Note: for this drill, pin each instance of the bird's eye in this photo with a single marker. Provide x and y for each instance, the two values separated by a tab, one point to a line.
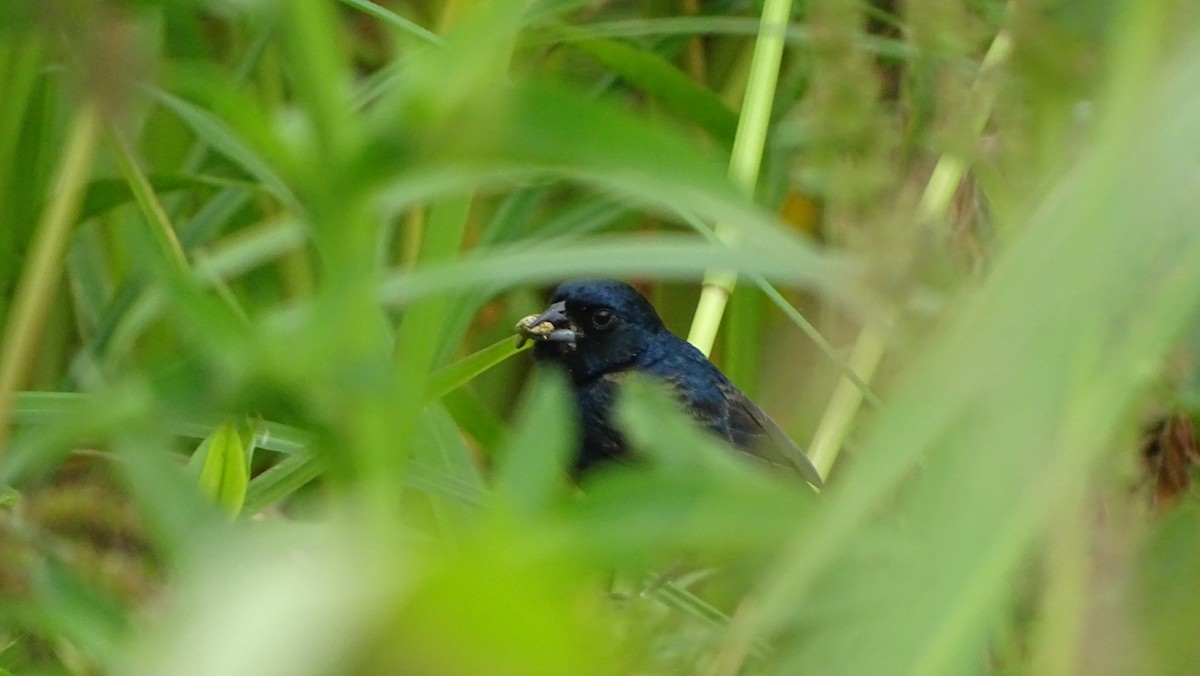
602	318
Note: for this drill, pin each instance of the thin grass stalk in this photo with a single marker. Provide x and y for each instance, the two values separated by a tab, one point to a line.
789	310
847	399
744	161
395	20
948	172
156	216
161	228
35	295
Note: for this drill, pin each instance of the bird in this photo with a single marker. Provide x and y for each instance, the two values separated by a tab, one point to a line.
600	330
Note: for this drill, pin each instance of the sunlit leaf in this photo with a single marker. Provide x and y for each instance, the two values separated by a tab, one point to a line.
225	468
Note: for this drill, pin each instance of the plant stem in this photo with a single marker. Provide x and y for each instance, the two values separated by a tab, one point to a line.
745	160
35	295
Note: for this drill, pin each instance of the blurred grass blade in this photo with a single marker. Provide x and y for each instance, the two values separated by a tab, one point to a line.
692	494
441	447
108	193
221	138
666	256
54	408
319	74
215	216
20	69
454	458
161	229
420	336
585	217
476	418
513	216
89	279
395	20
673	596
798	319
744	327
1019	398
554	129
253	246
281	480
659	427
659	78
531	471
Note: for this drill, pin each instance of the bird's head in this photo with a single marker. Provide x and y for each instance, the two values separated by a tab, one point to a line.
593	327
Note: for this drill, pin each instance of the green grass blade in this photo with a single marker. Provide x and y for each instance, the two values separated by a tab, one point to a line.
660	256
395	20
453	376
220	137
281	480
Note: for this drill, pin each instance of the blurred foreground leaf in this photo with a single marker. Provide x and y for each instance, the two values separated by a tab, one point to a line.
1012	409
531	470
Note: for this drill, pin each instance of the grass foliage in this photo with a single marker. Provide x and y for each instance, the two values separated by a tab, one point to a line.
261	411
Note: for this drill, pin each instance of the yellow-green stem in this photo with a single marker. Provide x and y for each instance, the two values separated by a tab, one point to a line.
35	294
745	160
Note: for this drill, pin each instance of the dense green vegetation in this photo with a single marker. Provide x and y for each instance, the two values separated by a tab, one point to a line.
261	411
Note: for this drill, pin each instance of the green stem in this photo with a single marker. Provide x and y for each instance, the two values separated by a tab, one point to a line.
847	399
745	160
949	170
35	295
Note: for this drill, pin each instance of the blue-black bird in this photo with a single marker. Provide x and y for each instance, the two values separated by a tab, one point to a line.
600	329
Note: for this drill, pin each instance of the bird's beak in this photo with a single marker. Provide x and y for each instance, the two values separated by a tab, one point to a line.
552	326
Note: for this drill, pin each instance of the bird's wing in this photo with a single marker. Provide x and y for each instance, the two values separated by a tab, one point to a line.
770	441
